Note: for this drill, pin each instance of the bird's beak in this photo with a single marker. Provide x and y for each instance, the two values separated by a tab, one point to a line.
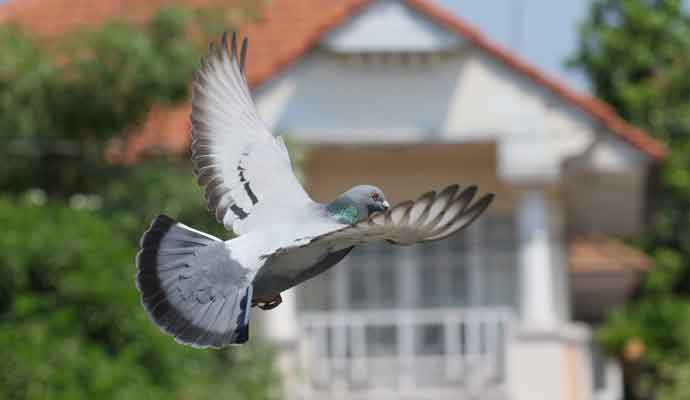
385	205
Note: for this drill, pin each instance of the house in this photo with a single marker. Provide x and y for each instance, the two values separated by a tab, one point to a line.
400	94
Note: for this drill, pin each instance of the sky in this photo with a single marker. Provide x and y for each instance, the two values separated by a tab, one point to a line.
543	32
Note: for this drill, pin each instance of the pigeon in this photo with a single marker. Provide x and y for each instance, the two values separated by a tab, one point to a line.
198	288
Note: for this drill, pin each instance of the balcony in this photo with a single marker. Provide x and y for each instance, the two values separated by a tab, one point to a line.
434	353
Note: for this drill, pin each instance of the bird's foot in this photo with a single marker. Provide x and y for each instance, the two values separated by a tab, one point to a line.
269	304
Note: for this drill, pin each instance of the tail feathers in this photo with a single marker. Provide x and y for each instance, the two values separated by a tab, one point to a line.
191	286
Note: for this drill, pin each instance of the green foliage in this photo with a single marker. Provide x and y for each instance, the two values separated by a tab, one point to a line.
71	325
637	55
155	187
27	82
631	51
61	107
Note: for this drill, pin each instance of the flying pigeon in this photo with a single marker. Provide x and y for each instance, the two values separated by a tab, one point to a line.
198	288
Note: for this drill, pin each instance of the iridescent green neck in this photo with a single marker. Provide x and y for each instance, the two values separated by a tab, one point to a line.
345	214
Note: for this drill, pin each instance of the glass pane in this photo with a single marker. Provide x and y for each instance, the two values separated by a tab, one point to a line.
381	340
358	286
500	229
429	288
387	287
373	277
430	340
316	293
499	256
442	273
459	286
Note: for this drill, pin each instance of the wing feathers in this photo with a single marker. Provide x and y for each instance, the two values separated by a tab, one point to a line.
466	196
399	214
245	171
451	212
465	218
431	217
419	212
439	204
243	52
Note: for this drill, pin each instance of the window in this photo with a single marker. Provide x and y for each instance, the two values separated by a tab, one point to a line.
443	273
373	277
369	343
430	340
381	340
316	293
477	267
499	259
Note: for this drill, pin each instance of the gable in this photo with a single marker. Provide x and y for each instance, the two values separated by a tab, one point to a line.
410	91
390	26
461	96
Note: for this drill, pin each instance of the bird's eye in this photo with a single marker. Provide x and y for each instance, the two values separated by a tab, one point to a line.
375	196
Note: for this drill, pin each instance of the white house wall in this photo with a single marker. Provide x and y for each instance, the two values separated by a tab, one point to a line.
491	99
326	98
405	31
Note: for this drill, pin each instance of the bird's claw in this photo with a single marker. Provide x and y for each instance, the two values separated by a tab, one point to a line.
268	305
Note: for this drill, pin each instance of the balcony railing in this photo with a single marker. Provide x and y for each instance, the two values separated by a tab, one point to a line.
403	350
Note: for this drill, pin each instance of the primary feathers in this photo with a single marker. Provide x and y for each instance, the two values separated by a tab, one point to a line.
198	288
241	165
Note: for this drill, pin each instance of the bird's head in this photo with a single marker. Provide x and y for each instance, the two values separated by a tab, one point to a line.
357	204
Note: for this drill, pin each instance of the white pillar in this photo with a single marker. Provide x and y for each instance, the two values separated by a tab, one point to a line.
537	275
547	356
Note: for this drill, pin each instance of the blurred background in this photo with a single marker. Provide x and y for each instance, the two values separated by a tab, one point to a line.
574	285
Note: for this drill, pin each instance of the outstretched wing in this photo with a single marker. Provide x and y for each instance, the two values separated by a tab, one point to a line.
244	169
431	217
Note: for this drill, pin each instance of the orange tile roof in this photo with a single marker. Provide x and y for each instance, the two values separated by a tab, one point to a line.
599	253
286	30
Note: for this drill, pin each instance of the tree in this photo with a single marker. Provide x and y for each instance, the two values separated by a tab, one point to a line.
71	325
636	54
63	103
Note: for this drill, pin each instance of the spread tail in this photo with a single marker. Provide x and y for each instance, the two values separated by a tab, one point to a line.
191	286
